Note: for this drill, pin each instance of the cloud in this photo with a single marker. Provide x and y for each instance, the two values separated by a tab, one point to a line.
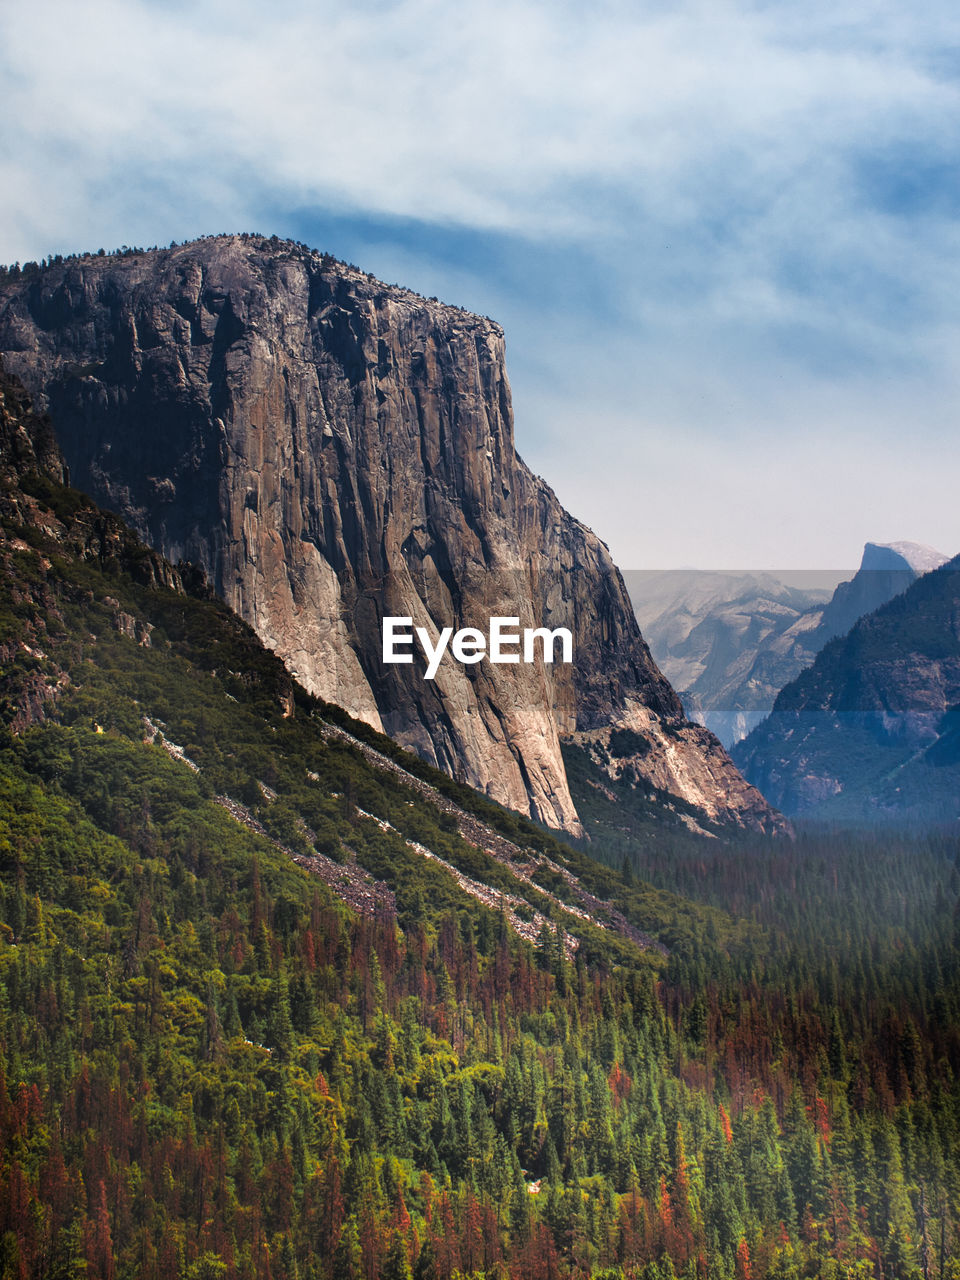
723	221
509	116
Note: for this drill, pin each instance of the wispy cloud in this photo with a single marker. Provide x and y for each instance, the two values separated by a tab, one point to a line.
515	116
756	204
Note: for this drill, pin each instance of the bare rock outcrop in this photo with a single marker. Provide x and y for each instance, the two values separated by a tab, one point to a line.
333	450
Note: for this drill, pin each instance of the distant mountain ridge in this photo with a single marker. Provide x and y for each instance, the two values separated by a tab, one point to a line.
871	731
333	450
729	642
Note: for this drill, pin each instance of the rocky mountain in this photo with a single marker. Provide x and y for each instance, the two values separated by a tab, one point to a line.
729	642
333	451
31	461
870	730
886	569
280	999
104	643
28	443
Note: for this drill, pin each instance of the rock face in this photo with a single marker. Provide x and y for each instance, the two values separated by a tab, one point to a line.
34	505
886	569
333	450
872	729
29	456
28	443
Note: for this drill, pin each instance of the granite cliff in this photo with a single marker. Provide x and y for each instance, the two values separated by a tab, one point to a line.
886	570
30	459
333	450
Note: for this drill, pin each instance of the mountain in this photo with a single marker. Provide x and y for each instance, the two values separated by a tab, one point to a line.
870	730
730	642
182	830
101	635
886	569
280	1001
333	451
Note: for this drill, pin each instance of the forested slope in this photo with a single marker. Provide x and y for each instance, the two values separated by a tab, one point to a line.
212	1065
868	733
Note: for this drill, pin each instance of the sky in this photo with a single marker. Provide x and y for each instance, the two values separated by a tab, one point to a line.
722	237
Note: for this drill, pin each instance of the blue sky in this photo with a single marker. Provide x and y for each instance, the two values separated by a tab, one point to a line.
722	237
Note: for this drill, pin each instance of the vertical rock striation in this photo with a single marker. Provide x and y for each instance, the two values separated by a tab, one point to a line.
333	450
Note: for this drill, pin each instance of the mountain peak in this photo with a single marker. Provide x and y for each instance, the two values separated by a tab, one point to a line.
915	556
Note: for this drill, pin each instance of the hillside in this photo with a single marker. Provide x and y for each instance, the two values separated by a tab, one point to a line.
868	732
249	1027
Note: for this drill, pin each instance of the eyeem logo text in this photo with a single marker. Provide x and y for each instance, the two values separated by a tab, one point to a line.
505	644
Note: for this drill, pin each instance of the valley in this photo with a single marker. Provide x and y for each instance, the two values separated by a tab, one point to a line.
279	997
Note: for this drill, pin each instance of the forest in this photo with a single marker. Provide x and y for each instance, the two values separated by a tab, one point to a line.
212	1065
